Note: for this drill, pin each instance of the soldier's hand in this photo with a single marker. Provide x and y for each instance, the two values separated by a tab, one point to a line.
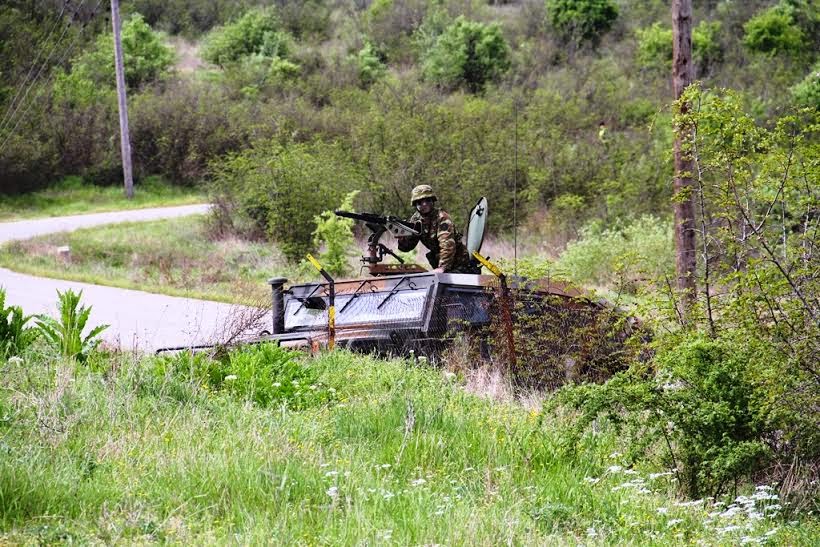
438	270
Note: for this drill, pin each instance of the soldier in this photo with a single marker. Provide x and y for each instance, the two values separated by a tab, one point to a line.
438	234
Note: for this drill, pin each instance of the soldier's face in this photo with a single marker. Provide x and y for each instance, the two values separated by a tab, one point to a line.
424	206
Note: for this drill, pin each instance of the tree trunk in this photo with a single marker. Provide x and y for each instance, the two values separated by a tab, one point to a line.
682	72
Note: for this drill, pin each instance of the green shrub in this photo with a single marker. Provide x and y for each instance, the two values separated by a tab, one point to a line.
773	31
335	235
655	45
257	32
632	253
468	54
15	337
582	20
807	92
66	334
145	56
278	190
370	64
176	129
701	406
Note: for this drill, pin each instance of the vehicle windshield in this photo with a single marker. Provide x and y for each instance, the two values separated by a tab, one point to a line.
403	306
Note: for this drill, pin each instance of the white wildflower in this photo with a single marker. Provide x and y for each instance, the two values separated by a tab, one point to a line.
418	482
673	522
333	492
663	510
615	455
653	476
230	377
331	473
277	384
592	480
614	469
591	533
15	360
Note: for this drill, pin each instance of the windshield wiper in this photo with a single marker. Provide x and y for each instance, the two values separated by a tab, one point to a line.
394	291
304	300
354	295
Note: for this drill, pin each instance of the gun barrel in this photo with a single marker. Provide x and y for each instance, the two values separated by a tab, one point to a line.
364	217
396	226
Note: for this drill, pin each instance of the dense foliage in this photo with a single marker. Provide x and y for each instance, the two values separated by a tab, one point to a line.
467	54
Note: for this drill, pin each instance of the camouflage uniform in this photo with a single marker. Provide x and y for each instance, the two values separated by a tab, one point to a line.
439	235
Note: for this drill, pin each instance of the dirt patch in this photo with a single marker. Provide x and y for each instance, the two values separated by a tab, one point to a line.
188	59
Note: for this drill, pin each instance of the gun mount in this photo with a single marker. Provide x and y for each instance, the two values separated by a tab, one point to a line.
378	225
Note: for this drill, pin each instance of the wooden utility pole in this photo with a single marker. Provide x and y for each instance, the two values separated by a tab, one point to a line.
682	75
125	140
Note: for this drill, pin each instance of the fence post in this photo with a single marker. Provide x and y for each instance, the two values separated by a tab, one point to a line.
506	308
331	309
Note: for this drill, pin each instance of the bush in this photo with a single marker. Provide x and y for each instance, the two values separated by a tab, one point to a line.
807	92
655	45
258	32
178	128
640	251
278	190
773	31
335	234
145	57
582	20
370	64
468	54
701	406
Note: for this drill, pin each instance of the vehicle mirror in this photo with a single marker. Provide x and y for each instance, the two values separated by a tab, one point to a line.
476	226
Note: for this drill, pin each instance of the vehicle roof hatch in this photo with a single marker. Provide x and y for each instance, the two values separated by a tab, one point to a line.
476	226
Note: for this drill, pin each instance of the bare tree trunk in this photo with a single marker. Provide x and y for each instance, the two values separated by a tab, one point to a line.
682	71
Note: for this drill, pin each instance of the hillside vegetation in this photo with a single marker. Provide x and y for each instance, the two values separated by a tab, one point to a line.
561	113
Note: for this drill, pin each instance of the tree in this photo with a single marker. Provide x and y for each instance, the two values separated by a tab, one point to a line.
582	20
468	54
684	199
146	59
773	31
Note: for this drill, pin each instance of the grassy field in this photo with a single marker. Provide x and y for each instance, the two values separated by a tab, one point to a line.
341	449
169	256
72	196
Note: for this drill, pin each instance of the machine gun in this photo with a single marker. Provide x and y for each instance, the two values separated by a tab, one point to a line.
378	225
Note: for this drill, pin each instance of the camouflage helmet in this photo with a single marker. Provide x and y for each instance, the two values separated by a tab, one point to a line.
420	192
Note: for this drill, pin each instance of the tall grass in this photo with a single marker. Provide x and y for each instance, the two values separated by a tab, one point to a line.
401	454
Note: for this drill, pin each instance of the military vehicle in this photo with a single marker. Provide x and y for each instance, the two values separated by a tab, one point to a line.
402	307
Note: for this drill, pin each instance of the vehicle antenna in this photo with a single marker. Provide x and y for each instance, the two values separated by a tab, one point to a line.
515	189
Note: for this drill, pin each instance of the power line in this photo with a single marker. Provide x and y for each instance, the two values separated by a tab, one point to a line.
6	115
13	111
66	52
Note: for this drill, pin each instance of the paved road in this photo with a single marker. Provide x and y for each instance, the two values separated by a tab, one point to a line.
139	320
25	229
